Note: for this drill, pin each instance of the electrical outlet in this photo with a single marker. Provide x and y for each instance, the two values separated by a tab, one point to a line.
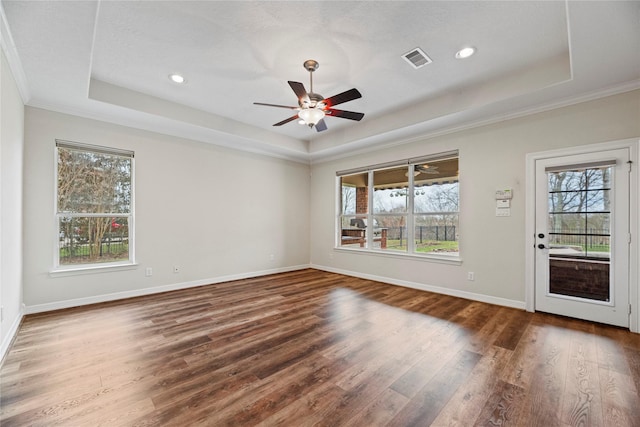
272	257
471	276
148	272
176	269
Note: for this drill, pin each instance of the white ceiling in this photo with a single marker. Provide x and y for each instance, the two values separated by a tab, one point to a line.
111	60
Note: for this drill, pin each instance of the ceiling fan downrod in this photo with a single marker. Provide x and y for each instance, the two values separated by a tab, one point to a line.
311	65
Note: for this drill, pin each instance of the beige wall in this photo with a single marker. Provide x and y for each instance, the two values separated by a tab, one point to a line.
220	214
11	149
491	158
215	213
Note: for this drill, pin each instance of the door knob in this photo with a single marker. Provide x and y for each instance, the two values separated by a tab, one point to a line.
540	246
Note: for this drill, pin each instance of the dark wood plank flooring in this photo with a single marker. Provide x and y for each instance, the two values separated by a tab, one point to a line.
315	348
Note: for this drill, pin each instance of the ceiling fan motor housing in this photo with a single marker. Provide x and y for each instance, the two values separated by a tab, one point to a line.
314	101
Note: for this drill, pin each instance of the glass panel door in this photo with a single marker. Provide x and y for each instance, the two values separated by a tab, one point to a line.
582	236
580	233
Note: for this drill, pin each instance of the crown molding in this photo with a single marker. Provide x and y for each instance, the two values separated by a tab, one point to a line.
166	127
337	153
10	51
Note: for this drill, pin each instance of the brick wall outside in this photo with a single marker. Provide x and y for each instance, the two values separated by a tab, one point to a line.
579	279
362	200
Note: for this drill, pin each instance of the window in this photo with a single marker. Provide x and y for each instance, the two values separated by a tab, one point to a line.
411	204
580	212
94	205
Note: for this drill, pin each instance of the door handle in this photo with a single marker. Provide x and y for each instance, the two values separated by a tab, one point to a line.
541	246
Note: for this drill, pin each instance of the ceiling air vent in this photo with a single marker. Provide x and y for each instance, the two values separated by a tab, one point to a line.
417	58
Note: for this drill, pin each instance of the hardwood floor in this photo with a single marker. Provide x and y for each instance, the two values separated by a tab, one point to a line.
315	348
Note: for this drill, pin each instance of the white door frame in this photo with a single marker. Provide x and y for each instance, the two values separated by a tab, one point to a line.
634	218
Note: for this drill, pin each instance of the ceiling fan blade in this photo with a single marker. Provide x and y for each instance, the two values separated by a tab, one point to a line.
351	115
276	105
299	90
321	125
285	121
349	95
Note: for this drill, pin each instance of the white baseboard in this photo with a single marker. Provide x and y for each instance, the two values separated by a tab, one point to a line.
8	339
430	288
77	302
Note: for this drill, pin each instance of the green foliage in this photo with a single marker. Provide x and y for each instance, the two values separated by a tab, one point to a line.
427	246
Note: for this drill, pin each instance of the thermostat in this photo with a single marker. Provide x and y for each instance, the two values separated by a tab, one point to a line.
504	194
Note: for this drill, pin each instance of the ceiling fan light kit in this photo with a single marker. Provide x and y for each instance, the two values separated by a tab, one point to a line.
313	107
311	116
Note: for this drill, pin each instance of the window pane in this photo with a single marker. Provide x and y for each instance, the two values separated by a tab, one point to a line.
390	232
437	233
436	186
599	223
354	200
567	223
390	190
598	200
85	240
354	194
566	181
91	182
561	201
436	198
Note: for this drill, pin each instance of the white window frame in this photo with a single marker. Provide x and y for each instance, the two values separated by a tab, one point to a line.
410	214
91	267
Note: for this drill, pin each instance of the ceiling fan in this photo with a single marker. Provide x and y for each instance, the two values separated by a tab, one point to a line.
427	169
313	107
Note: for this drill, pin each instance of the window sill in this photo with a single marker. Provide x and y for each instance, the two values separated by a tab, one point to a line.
91	269
442	259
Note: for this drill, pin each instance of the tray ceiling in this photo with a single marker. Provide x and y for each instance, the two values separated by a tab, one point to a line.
111	61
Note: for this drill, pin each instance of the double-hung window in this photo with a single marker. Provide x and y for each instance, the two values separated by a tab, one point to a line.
409	206
94	206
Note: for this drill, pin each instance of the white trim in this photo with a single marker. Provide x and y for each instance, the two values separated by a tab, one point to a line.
75	270
162	126
442	259
426	287
634	230
11	333
77	302
341	152
633	144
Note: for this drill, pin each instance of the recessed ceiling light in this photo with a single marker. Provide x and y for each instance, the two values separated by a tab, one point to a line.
465	52
177	78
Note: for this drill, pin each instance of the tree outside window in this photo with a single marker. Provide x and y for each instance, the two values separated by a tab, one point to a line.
94	204
580	210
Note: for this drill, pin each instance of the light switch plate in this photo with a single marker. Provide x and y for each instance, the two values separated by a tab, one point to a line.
502	204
